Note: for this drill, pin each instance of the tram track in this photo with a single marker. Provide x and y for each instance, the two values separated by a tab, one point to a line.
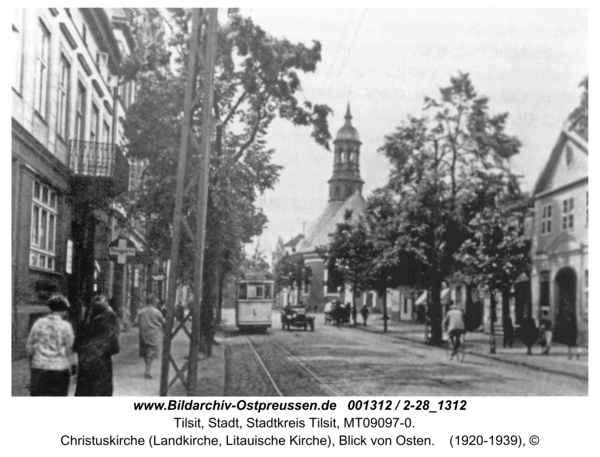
296	363
262	364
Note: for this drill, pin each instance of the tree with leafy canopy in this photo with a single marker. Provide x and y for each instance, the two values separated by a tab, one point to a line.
291	273
257	78
347	256
389	265
497	252
443	163
579	116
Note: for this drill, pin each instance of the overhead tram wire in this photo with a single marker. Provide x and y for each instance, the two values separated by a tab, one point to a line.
338	49
352	43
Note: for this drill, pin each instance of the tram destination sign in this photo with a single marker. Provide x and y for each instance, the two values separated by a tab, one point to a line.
121	249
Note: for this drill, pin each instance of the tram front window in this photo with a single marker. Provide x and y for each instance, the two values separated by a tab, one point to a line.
267	292
255	291
242	292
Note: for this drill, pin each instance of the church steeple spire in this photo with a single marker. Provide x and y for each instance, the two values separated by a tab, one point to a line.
348	116
346	167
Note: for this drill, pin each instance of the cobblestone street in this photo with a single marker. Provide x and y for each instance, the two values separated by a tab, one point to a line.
353	362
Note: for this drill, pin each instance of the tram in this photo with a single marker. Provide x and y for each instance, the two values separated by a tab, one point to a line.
254	303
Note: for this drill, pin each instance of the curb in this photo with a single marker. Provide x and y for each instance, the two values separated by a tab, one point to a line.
486	356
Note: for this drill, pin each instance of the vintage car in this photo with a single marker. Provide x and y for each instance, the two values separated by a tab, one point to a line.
297	316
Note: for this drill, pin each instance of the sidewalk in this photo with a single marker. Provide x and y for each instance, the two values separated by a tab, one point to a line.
128	370
478	344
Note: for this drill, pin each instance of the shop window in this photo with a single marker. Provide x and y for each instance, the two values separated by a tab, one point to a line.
43	227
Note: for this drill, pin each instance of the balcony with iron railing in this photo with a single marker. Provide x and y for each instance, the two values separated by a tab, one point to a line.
100	171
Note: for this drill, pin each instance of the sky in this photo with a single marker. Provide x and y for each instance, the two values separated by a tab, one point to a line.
529	62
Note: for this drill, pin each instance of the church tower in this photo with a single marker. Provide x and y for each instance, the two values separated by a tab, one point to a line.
345	195
345	180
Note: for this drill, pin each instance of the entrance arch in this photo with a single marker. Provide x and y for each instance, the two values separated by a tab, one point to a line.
566	306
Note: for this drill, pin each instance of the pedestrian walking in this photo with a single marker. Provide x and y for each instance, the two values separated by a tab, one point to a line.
50	351
162	307
546	331
339	314
96	342
150	323
354	313
529	332
179	311
570	332
364	312
508	330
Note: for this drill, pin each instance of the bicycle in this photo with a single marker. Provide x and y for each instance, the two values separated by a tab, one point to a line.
453	352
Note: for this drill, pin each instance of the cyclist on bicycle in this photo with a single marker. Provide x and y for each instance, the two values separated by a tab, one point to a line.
455	326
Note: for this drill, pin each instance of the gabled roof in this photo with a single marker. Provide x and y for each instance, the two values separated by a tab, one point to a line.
294	241
565	135
318	234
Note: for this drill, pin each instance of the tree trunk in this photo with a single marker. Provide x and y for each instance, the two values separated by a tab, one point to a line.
435	307
505	301
492	321
385	314
222	282
469	312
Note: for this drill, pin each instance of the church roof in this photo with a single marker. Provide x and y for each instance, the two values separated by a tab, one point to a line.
347	132
318	234
293	243
566	134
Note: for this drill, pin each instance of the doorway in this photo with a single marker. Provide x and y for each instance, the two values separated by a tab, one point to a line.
566	300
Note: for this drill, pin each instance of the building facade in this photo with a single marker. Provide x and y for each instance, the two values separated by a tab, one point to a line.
559	277
67	167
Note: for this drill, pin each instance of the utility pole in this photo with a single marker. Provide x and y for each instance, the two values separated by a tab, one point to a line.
177	216
207	104
187	135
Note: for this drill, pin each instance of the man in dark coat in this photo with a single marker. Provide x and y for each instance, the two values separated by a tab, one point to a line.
529	332
364	312
96	342
508	330
570	335
339	314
